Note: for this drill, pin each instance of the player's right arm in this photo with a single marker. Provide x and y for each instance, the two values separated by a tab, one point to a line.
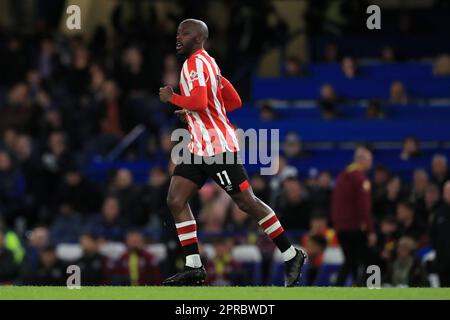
231	98
194	81
197	101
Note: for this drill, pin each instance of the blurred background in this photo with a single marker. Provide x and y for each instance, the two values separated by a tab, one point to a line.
85	144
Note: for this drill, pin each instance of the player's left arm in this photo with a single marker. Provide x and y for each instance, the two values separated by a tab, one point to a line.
231	98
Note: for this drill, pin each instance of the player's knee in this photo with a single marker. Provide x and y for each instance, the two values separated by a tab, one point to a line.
175	203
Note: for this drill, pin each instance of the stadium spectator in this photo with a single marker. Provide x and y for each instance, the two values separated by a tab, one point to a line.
439	170
67	225
213	213
48	60
153	208
133	76
293	206
136	266
441	65
328	93
78	192
352	216
238	221
293	67
110	224
420	183
223	269
77	76
293	146
388	55
318	226
381	178
12	188
166	143
331	53
284	171
54	161
17	113
51	270
38	239
432	203
410	149
171	71
8	267
315	246
127	193
374	110
395	192
15	58
320	192
349	67
406	270
409	225
398	95
387	237
92	264
440	237
267	113
260	187
29	164
111	112
327	102
12	242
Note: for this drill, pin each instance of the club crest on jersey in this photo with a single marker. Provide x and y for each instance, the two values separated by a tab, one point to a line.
193	75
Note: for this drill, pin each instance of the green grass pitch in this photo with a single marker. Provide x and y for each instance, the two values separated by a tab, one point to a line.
220	293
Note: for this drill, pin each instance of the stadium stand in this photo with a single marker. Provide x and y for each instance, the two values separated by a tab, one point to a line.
57	140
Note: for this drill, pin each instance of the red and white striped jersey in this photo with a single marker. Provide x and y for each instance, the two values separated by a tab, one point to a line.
211	131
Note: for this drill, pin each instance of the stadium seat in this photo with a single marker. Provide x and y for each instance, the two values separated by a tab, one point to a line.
68	252
113	250
159	251
250	257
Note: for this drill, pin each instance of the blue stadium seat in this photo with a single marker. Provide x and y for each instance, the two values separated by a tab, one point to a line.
357	88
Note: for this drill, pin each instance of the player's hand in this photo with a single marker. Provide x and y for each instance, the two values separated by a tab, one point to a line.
165	94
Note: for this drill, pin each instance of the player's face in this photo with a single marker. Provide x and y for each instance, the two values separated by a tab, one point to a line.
186	37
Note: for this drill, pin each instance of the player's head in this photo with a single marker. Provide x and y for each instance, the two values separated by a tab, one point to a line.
363	157
191	36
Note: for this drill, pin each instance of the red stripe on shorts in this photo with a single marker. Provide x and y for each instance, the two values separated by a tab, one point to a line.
244	185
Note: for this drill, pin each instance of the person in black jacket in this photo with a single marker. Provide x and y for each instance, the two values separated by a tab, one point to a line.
92	263
78	192
440	238
51	270
294	208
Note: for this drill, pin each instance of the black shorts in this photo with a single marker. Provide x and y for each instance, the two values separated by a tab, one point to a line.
225	169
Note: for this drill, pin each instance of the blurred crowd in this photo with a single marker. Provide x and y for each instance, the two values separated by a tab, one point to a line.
408	218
